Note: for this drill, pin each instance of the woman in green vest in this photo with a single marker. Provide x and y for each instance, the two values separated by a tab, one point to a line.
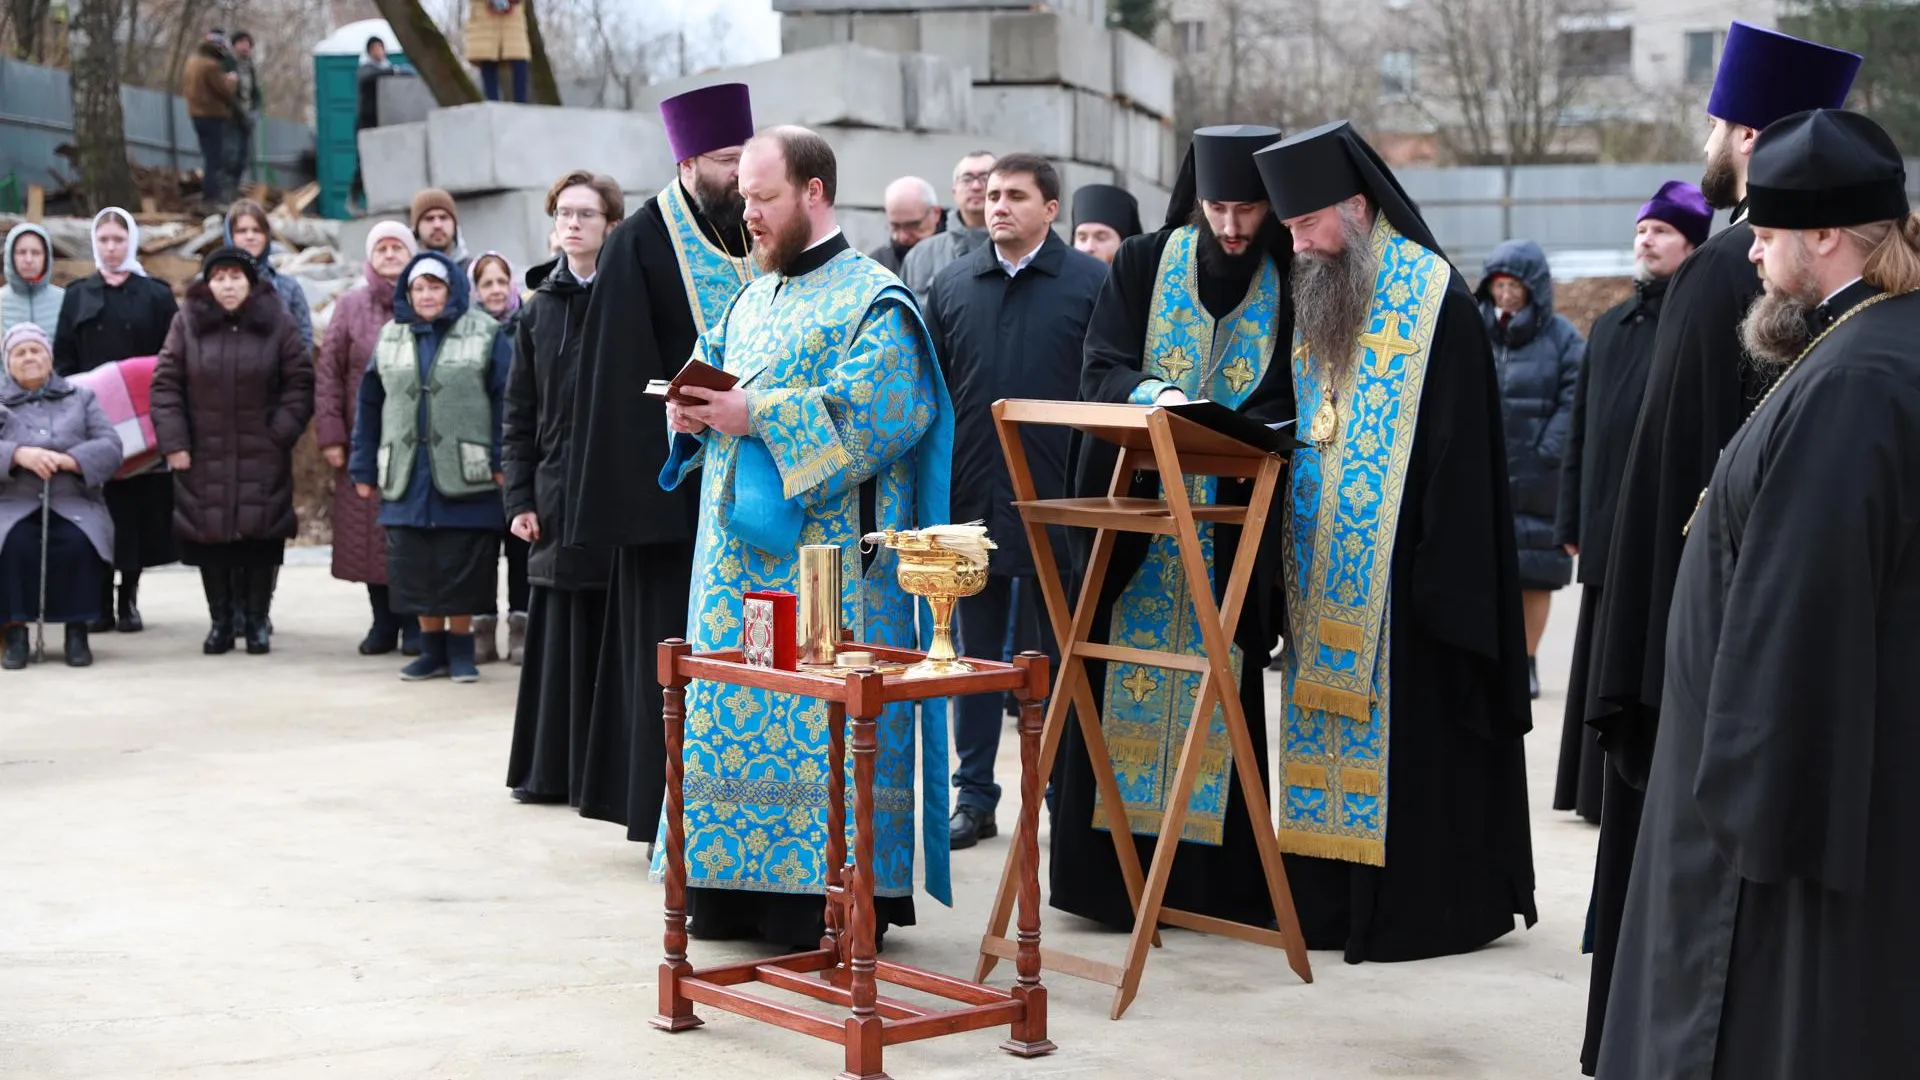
426	442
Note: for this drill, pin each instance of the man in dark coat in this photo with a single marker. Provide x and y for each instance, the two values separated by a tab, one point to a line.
568	609
1700	387
1008	320
1226	258
1403	787
1769	930
1536	353
913	214
1613	378
665	275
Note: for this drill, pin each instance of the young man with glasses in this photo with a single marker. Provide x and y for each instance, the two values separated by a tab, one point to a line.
966	225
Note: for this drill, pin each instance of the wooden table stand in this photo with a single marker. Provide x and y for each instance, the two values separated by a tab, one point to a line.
844	970
1155	440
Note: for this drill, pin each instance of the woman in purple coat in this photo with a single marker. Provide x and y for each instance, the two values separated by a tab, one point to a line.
54	439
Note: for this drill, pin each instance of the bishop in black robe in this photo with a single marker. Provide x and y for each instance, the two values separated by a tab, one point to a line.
1221	879
1700	387
641	326
1458	861
1769	928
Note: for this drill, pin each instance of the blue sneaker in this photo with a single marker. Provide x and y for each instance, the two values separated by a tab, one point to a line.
432	663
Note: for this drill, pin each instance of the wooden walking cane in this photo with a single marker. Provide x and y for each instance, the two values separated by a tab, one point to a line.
46	528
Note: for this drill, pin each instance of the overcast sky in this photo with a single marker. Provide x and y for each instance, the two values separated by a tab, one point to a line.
756	28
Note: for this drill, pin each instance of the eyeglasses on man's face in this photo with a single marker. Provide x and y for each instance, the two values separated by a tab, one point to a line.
585	216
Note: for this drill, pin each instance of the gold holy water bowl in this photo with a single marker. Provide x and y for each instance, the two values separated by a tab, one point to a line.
940	576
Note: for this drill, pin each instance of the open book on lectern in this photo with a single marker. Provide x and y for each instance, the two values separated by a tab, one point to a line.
1273	438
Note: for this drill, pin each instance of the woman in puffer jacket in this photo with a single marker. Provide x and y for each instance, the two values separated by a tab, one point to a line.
29	294
1537	354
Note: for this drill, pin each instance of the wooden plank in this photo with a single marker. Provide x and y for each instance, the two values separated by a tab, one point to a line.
794	983
1062	963
149	205
1143	657
36	203
932	982
758	1008
727	667
1197	464
935	1025
1125	514
747	971
1207	924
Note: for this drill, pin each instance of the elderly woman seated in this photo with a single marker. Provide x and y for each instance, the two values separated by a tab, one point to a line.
57	449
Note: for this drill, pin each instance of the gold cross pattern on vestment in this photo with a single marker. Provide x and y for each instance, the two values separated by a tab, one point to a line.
1139	684
1388	345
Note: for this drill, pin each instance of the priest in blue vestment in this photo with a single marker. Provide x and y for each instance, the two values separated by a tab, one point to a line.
1195	309
1401	774
840	425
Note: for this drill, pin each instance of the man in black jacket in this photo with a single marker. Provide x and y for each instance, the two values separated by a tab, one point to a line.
569	605
1008	320
1606	401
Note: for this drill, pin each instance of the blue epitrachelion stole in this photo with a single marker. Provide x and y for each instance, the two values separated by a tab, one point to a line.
1146	711
1340	517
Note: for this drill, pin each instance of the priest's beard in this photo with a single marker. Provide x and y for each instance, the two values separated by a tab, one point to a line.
720	204
1775	329
1721	182
1333	294
777	251
1215	262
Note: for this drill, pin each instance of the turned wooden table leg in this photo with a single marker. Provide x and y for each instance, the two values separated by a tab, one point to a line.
836	937
1029	1035
864	1026
676	1012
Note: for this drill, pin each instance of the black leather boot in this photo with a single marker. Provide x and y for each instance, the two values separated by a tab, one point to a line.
78	653
15	656
384	635
258	605
129	612
218	583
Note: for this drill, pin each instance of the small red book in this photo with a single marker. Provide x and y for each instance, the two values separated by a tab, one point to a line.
767	636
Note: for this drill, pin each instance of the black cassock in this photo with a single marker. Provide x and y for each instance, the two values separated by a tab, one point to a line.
1606	403
1770	926
1222	880
1700	387
1459	856
638	328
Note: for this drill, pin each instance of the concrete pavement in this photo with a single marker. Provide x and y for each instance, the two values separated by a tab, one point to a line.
295	866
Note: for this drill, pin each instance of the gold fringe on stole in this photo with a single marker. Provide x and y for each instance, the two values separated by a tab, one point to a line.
1353	849
1360	781
1346	636
815	470
1301	774
1348	703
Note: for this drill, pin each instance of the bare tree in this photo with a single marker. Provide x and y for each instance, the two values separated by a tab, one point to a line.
27	19
1282	62
99	127
444	73
1505	85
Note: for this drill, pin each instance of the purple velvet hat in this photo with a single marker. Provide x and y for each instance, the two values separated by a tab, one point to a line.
704	120
1680	205
1765	75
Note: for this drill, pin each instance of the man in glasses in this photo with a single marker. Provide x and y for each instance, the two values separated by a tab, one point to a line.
913	214
666	274
966	225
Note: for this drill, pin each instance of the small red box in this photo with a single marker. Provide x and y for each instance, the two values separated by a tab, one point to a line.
769	624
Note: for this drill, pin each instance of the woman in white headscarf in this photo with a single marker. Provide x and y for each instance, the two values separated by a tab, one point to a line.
114	313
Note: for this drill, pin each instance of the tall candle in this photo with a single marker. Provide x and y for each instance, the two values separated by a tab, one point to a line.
819	603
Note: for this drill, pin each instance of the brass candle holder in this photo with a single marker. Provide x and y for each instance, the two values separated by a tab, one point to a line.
940	565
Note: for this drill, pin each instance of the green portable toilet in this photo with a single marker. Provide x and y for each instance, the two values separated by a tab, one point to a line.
336	103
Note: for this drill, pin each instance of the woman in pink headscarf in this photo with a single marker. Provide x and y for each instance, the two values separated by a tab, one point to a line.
359	544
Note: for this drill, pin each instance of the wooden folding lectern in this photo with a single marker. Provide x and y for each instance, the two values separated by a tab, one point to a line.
1156	440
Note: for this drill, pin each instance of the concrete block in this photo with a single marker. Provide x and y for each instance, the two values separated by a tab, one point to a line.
869	159
1092	128
1153	198
515	223
501	147
894	33
402	101
1142	74
1144	144
393	164
799	33
1075	175
939	93
866	227
1045	47
1035	118
964	37
847	84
